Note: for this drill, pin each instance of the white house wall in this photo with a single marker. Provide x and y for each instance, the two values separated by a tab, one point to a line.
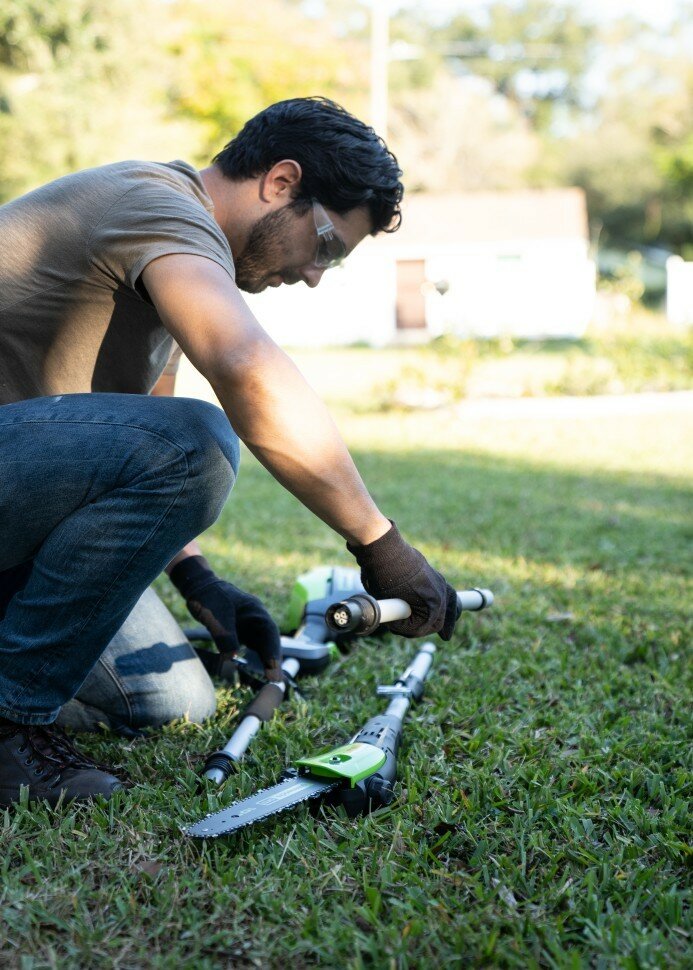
522	288
353	303
533	289
679	291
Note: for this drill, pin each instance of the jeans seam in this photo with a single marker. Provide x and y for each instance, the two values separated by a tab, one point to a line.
118	686
107	424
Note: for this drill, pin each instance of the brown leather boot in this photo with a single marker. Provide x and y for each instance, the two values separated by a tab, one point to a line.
41	758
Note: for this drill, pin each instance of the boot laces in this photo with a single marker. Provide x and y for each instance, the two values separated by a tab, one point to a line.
51	744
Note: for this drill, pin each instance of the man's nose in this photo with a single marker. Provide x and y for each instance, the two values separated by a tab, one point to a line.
312	276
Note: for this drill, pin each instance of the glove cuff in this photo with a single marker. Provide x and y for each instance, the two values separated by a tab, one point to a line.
393	558
191	575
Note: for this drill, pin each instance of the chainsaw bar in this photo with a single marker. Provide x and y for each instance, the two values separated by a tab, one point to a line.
261	804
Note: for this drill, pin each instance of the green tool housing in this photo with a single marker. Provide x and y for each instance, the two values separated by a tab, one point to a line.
353	762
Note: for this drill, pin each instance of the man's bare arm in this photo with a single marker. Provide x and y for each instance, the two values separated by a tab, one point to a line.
165	386
267	400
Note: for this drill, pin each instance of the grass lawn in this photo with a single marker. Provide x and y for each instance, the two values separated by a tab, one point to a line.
543	800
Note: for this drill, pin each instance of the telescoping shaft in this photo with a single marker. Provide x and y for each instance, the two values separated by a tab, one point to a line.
385	732
219	765
362	614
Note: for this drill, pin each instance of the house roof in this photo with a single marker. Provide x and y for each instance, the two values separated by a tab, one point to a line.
490	216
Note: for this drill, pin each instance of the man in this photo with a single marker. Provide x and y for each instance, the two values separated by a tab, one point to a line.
104	485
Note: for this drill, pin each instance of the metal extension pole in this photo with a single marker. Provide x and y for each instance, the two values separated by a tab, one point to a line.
361	614
402	691
219	765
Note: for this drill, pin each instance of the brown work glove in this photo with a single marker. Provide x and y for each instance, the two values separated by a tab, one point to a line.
391	568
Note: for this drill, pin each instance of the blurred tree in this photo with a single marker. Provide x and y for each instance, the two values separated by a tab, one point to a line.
233	60
450	130
634	153
459	134
416	63
519	92
80	85
535	53
84	82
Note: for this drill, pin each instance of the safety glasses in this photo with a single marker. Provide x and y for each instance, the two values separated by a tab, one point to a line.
330	250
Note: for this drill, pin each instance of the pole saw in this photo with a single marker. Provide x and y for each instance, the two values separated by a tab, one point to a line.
359	775
310	648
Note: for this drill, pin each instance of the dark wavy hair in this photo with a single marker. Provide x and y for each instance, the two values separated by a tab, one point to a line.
345	164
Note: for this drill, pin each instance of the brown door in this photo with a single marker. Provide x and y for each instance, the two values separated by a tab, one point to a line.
411	303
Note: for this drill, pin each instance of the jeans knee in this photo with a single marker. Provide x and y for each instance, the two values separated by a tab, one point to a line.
148	675
213	453
192	699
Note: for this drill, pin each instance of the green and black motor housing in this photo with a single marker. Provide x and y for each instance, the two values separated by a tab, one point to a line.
312	594
306	636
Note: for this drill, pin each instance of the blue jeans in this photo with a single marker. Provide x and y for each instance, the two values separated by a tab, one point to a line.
98	492
147	676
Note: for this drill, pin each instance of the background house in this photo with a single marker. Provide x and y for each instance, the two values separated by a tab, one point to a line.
476	264
679	291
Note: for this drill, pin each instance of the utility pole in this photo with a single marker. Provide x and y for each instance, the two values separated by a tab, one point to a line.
380	44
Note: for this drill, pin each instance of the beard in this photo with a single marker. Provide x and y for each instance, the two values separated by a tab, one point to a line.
263	254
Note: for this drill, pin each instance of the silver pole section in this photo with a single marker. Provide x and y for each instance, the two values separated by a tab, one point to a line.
239	741
469	599
421	663
291	667
398	707
419	667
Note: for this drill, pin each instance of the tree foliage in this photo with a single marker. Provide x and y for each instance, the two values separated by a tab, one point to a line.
458	135
232	60
611	102
80	85
514	93
535	53
85	82
634	153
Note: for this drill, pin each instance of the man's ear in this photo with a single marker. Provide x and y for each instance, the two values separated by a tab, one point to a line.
281	183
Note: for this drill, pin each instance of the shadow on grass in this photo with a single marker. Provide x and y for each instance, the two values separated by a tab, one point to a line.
459	502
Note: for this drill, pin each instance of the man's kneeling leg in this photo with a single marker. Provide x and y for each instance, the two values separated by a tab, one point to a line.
101	491
147	676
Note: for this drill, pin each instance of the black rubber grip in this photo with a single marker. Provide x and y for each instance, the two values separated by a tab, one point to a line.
314	666
196	633
220	761
265	702
219	664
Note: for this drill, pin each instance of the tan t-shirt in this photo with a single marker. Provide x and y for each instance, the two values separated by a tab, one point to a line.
74	315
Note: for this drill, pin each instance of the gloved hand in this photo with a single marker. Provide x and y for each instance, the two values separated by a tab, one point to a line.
391	568
232	616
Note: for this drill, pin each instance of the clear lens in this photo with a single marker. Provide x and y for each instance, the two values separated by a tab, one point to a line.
330	250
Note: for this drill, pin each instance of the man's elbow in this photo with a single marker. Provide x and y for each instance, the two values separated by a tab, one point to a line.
229	369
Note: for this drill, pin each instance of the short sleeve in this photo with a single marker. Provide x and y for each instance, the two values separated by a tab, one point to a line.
152	219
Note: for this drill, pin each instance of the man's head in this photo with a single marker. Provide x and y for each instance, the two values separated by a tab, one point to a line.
324	181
